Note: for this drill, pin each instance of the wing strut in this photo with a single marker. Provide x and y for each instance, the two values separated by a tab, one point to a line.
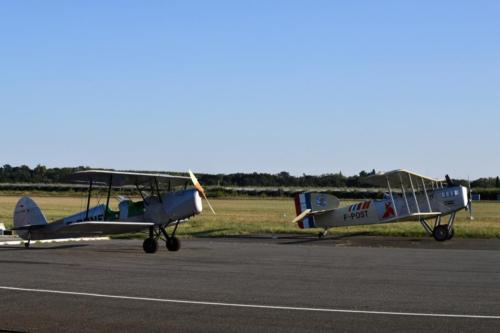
404	194
141	194
414	194
88	200
427	196
392	196
109	195
158	190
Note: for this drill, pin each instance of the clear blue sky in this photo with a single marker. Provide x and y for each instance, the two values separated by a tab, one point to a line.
226	86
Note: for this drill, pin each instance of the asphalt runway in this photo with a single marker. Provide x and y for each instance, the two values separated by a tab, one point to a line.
253	284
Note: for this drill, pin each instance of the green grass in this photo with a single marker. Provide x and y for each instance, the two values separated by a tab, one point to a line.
245	216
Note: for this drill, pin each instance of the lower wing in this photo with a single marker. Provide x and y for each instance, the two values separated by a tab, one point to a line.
105	228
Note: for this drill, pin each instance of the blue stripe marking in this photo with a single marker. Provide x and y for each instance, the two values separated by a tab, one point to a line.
308	221
308	201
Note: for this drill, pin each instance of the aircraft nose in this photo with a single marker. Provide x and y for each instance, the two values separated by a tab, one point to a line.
197	202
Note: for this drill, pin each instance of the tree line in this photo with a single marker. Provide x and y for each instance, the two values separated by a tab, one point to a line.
42	174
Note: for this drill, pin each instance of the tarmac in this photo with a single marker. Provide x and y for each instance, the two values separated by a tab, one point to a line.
283	283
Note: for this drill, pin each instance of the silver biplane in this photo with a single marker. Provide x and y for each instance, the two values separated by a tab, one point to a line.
409	197
163	205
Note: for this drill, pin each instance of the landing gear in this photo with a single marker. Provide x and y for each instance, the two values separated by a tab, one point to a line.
173	244
150	245
27	244
323	234
440	233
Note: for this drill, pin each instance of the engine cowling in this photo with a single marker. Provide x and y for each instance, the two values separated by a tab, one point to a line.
181	204
173	206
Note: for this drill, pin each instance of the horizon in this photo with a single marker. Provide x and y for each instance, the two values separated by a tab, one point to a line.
240	172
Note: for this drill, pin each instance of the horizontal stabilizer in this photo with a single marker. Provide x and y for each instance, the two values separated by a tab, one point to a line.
309	213
302	216
29	227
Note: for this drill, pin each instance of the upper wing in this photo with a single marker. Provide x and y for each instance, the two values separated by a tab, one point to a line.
120	178
399	177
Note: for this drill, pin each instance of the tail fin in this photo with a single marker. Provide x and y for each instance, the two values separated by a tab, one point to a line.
308	204
27	213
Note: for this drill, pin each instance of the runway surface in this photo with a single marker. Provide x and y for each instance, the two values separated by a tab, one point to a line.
249	284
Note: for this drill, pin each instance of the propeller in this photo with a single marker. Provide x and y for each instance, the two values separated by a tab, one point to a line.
200	189
469	203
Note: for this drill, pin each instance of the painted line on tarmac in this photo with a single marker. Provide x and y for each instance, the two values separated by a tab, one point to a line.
252	306
60	240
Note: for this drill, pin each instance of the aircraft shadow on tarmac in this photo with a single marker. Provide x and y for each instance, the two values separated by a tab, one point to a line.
309	238
208	233
347	239
297	239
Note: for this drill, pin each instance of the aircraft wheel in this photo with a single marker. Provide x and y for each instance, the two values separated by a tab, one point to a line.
150	245
451	234
27	245
441	233
173	244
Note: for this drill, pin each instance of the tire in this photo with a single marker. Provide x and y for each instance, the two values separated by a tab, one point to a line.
451	234
150	245
440	233
173	244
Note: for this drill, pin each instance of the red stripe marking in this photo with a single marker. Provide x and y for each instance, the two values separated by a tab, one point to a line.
297	204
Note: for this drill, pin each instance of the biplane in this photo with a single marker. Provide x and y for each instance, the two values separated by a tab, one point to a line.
409	197
166	201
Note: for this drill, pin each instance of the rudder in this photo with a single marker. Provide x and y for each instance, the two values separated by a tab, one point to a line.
27	213
315	202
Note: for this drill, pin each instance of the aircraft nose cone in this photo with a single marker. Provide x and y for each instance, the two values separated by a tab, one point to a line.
197	202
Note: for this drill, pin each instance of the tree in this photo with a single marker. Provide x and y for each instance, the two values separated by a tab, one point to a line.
39	173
